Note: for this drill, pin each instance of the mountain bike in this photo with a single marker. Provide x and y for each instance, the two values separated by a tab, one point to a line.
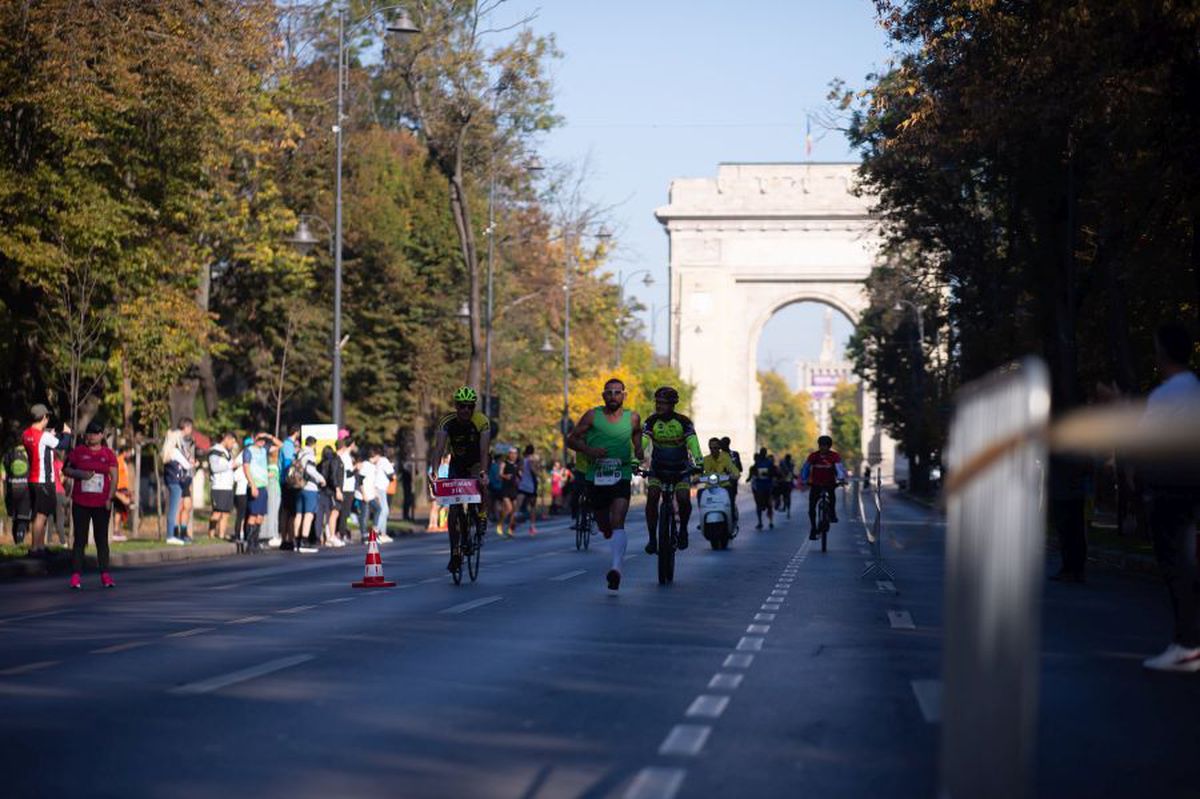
463	498
824	515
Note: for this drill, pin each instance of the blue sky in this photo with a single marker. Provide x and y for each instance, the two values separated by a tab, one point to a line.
659	89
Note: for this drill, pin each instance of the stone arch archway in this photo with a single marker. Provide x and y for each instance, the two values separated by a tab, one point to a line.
754	240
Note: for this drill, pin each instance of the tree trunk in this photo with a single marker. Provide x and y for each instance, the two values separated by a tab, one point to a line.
208	381
135	491
127	402
466	236
157	485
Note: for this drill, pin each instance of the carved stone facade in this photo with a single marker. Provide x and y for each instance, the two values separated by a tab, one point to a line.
754	240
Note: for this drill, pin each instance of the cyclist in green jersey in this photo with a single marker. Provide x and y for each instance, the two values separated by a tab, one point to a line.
468	435
676	452
611	438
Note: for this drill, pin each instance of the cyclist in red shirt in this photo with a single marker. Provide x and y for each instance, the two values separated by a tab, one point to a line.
822	472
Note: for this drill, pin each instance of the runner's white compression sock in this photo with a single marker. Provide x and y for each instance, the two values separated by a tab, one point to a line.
619	540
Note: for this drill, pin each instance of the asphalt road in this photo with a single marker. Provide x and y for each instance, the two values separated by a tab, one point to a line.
771	669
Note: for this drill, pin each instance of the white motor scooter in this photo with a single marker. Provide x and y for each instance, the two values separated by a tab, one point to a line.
716	512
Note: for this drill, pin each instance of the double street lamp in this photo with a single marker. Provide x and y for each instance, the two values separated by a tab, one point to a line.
404	27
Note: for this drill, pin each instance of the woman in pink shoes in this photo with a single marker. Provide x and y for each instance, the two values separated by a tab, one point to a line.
93	468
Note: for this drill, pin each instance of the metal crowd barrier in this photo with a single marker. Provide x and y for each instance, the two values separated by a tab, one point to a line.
874	529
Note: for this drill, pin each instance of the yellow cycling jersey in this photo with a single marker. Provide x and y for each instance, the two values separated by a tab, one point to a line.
721	464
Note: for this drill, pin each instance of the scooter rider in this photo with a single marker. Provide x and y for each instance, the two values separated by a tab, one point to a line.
718	462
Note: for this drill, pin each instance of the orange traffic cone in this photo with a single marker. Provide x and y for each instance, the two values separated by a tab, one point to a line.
373	571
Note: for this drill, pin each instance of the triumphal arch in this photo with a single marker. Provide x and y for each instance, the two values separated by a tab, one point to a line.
753	240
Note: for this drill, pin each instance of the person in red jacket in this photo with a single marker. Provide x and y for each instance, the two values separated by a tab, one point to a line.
822	472
40	442
93	468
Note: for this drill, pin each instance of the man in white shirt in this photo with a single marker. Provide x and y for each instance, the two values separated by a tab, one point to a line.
1175	500
345	451
222	469
384	472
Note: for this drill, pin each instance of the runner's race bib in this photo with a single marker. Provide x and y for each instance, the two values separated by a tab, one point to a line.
608	472
457	492
92	485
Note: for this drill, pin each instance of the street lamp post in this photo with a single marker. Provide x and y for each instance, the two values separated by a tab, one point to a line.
402	27
648	281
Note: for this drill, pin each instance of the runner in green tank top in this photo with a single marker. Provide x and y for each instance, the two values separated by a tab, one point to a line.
610	437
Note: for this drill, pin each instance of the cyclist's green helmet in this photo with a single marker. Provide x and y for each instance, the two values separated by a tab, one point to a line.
466	394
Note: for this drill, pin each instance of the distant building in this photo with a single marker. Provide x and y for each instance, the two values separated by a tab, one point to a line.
821	377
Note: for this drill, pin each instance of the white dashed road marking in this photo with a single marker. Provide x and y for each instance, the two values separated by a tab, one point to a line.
738	661
474	603
655	782
729	681
112	650
886	586
764	617
28	667
685	739
246	620
901	620
190	633
296	609
748	644
929	698
564	577
759	629
225	680
707	706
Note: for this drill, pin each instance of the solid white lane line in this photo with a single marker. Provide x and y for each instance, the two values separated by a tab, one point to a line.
428	580
474	603
748	644
190	633
339	599
685	739
764	617
707	706
296	609
110	650
655	782
13	671
929	698
564	577
759	629
246	620
728	681
738	661
243	675
886	586
901	620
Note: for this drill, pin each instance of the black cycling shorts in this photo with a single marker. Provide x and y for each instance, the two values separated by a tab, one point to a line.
602	496
460	471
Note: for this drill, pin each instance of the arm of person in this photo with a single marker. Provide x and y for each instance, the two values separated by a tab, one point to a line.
218	464
249	478
576	440
639	449
112	479
435	457
841	470
312	472
805	472
69	470
485	448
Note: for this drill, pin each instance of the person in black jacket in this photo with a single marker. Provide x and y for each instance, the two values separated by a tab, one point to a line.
329	499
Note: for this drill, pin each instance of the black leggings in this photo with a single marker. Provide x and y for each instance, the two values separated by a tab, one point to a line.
97	518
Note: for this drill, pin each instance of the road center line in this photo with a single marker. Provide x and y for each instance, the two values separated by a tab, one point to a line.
759	629
901	620
728	681
655	782
685	739
234	677
707	706
190	633
32	616
112	650
564	577
28	667
339	599
474	603
764	617
246	620
886	586
749	644
738	661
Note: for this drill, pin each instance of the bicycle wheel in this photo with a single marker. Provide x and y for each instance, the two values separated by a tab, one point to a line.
823	523
587	530
666	542
579	533
476	550
455	522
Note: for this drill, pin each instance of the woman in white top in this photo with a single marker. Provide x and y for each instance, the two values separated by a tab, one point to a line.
384	472
241	487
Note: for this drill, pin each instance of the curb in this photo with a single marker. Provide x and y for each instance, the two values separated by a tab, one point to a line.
28	567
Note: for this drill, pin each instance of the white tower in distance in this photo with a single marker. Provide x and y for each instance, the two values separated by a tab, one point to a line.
821	377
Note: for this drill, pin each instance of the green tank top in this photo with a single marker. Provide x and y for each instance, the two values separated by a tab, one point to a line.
615	437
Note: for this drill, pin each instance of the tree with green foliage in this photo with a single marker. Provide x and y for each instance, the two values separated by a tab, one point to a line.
785	423
845	421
